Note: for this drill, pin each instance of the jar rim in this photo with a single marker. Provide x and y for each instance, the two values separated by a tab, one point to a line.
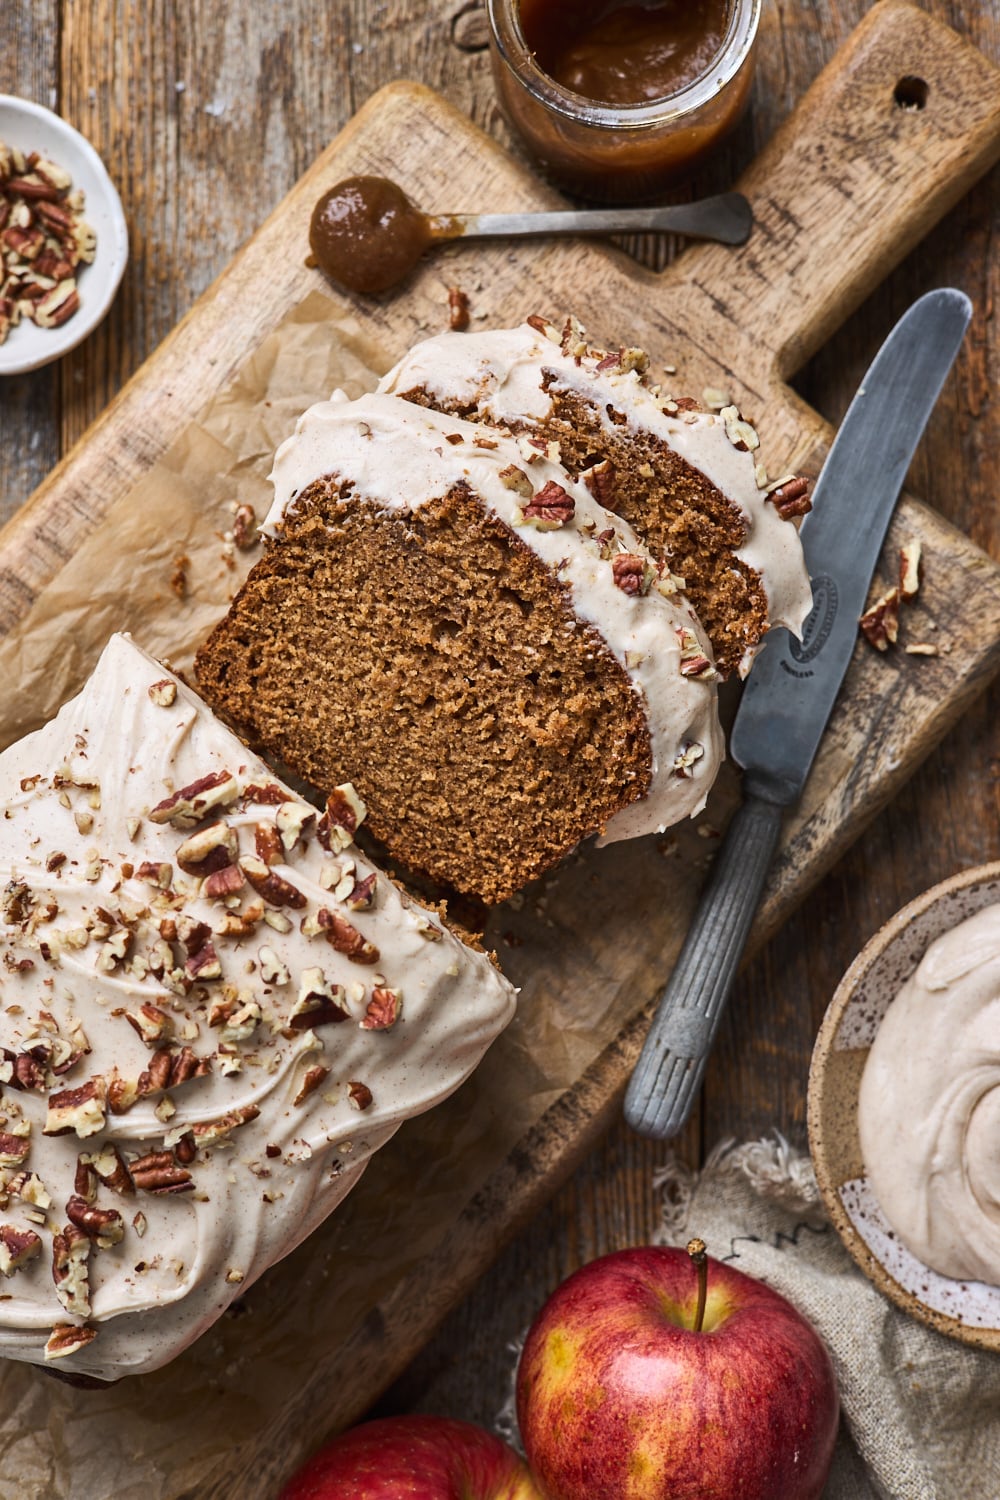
512	48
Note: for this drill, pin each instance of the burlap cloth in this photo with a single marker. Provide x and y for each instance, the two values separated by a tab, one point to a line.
921	1413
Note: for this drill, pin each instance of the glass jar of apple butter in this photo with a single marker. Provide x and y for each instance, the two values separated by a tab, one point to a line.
618	98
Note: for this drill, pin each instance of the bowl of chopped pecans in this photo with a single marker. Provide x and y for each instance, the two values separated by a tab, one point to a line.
63	238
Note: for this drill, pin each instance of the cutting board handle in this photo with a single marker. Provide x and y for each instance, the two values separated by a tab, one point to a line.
895	129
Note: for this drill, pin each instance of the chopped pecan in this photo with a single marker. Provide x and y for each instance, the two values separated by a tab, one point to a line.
163	693
210	1132
318	1003
359	1094
158	1172
458	310
362	893
169	1068
310	1083
109	1164
383	1010
267	842
346	938
105	1225
69	1338
274	888
224	882
191	804
245	533
631	573
601	479
910	570
151	1023
791	497
345	812
292	820
513	478
550	508
694	662
71	1270
211	848
80	1109
880	623
14	1149
17	1248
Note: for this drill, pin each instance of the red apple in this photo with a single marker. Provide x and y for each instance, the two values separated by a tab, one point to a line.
403	1458
623	1393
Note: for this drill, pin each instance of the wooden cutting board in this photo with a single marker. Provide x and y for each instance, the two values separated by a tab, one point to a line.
893	132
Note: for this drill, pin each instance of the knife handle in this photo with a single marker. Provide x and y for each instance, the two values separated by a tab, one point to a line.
668	1074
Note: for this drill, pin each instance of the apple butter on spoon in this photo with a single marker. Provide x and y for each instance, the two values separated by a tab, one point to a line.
366	235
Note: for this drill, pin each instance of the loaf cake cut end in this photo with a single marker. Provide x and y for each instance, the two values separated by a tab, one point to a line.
446	619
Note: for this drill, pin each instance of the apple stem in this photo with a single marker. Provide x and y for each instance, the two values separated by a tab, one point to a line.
698	1252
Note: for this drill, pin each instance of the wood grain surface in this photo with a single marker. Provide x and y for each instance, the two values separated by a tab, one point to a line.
206	118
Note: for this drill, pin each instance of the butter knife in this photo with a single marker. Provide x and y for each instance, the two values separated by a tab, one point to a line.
791	691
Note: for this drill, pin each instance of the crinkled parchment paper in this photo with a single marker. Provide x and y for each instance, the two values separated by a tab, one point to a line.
167	1435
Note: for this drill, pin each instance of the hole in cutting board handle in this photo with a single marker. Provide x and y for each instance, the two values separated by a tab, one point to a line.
911	92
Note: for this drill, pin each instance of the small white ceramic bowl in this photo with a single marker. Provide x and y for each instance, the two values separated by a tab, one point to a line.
965	1310
31	127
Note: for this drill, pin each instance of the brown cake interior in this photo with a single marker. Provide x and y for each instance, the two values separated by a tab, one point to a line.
432	659
676	511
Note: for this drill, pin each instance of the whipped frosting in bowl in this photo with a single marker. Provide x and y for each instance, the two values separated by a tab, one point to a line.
213	1010
903	1094
929	1106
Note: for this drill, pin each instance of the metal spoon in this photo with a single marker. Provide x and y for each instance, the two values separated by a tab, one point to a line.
367	235
727	218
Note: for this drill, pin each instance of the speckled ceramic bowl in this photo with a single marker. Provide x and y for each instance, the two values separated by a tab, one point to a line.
964	1310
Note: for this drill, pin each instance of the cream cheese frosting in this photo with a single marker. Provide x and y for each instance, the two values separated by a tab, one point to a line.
213	1009
929	1106
401	456
502	375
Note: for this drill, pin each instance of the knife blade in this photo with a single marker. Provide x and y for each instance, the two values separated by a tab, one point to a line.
791	691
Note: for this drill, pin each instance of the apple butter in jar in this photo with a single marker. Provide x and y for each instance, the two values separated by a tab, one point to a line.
617	98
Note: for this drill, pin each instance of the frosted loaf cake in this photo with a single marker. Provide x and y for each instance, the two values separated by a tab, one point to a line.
213	1010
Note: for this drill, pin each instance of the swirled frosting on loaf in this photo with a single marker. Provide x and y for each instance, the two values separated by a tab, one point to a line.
213	1009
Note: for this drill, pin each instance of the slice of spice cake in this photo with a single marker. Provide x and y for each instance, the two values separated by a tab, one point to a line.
214	1009
687	479
444	618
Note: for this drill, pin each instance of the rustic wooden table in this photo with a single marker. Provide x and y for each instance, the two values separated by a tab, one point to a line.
206	114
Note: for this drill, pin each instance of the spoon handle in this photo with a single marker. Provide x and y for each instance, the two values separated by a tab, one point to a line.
727	218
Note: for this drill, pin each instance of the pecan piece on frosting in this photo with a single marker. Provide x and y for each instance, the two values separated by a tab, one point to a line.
631	573
345	812
159	1172
359	1094
14	1149
186	808
209	848
109	1165
346	938
311	1081
383	1010
551	508
17	1248
791	497
69	1338
168	1069
318	1003
80	1109
275	889
71	1270
103	1225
